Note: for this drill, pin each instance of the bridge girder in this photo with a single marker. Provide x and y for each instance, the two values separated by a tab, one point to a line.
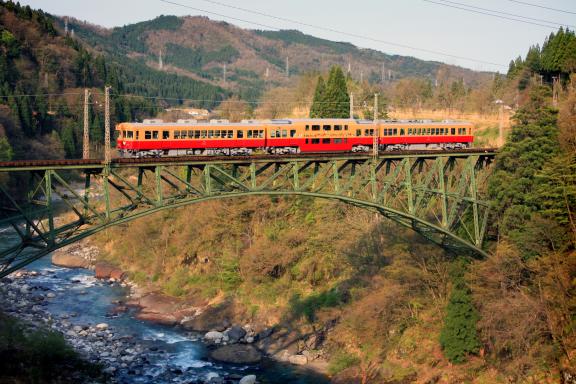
436	195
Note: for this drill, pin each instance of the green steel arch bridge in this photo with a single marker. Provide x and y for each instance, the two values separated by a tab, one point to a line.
53	203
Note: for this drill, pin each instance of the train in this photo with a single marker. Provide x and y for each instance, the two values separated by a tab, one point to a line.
156	138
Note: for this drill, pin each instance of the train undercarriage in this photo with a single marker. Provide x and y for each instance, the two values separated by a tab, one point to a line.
127	153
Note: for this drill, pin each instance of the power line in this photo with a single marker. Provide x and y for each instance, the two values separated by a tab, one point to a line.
489	14
326	29
508	14
41	94
542	6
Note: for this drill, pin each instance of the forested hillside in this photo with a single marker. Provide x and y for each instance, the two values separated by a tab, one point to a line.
199	48
42	76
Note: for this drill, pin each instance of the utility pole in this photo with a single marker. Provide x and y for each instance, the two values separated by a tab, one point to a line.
86	138
375	134
107	125
160	63
500	104
351	106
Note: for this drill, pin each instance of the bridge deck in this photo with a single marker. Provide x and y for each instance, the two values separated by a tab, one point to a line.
30	165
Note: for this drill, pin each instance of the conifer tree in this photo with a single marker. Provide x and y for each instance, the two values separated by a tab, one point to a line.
318	101
336	98
459	337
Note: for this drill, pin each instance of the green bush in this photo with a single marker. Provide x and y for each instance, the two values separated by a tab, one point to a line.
308	306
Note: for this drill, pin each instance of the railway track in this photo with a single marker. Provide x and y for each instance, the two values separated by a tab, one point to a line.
79	163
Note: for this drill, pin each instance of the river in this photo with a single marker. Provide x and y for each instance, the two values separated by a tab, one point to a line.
73	299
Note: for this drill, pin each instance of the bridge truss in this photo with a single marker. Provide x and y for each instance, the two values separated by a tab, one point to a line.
435	194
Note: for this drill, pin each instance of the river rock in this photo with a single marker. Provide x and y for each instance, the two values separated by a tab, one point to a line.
250	379
237	354
236	333
211	375
214	336
102	326
158	318
62	258
50	295
298	360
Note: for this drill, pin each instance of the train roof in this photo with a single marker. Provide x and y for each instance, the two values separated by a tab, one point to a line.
252	123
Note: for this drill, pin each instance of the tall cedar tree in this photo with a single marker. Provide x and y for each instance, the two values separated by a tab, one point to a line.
318	102
336	98
459	337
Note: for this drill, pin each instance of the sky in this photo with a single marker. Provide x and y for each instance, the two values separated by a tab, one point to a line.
390	26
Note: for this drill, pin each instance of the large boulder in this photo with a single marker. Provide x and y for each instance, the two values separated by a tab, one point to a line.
69	260
236	333
158	318
250	379
237	354
105	270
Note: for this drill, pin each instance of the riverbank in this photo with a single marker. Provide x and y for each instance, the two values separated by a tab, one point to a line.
229	336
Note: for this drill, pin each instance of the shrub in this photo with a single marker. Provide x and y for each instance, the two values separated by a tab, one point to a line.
341	361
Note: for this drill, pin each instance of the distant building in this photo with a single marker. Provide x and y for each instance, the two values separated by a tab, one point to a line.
196	113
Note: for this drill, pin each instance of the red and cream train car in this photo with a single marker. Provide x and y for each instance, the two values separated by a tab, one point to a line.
155	138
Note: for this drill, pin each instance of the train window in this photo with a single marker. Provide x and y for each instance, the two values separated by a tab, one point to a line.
284	133
196	134
327	127
249	135
210	134
307	127
368	132
230	134
137	135
278	133
130	134
183	134
358	132
292	132
384	132
437	131
452	131
410	131
165	135
272	133
261	133
240	134
315	141
315	127
155	135
325	141
337	141
402	132
203	134
337	127
177	134
217	133
346	127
